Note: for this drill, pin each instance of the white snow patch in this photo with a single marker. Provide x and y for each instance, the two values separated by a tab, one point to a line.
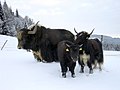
20	71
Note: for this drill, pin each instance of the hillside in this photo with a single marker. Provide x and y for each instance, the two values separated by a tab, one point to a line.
109	43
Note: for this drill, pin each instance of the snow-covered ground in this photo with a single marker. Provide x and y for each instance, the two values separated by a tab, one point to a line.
20	71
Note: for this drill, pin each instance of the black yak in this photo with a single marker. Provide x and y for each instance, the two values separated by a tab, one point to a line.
42	41
68	54
92	49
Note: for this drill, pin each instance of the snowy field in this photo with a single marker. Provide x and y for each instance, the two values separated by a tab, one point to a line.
20	71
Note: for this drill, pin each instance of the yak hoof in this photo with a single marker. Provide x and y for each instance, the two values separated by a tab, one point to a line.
64	75
73	75
81	71
91	72
100	68
44	61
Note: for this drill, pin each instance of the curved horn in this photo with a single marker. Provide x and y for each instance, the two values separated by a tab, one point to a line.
92	31
75	31
34	30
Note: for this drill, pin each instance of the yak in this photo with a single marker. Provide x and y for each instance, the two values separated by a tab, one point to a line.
91	52
68	54
42	41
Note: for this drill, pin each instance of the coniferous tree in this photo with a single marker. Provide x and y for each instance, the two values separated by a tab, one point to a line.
25	26
1	12
3	27
7	12
17	14
12	13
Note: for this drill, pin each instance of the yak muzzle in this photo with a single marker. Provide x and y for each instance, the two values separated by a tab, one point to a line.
74	59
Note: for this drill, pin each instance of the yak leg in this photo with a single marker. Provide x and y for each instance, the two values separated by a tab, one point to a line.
44	54
49	54
63	69
100	66
49	51
37	55
46	51
90	67
71	68
82	69
82	66
95	64
100	62
54	53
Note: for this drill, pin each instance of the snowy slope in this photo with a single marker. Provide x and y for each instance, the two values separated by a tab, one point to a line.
20	71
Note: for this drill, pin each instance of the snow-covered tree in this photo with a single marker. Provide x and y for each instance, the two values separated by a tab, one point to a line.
10	22
3	25
28	21
7	11
17	14
12	13
1	12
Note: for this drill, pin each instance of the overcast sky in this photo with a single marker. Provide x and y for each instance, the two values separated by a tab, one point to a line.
103	15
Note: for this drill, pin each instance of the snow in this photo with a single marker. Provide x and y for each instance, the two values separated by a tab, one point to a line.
20	71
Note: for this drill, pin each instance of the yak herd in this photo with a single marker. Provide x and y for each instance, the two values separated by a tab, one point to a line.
60	45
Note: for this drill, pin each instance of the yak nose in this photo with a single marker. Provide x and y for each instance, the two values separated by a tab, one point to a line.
75	59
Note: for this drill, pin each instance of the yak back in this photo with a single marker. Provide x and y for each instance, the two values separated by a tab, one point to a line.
52	35
97	46
57	35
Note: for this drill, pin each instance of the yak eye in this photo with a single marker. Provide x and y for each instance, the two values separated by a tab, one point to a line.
80	49
67	50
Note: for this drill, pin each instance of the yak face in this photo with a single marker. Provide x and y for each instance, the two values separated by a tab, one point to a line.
26	37
21	38
73	51
81	37
24	40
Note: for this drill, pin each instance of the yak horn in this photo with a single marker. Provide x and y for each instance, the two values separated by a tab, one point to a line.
34	30
75	31
92	31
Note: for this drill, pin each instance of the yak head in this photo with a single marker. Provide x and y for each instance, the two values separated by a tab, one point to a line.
26	37
82	37
73	51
